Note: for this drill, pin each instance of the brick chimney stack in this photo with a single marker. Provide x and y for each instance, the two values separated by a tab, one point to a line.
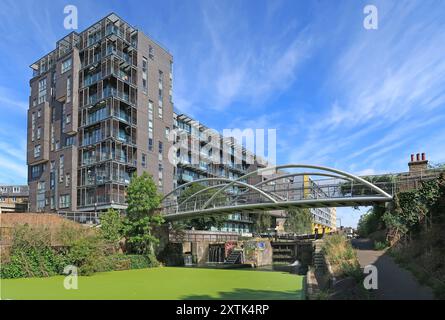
418	164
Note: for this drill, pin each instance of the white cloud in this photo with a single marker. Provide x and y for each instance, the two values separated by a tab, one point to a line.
387	91
237	65
9	100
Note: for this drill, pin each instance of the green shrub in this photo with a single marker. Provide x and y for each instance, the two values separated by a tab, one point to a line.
88	254
31	255
378	245
351	269
111	226
342	256
131	261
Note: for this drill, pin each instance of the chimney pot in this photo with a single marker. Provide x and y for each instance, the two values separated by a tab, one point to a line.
423	156
412	157
418	157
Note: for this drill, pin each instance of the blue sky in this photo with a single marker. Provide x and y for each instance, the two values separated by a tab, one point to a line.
338	94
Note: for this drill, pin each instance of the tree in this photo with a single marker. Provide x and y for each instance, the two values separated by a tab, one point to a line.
205	222
263	222
371	221
111	226
438	208
299	221
143	200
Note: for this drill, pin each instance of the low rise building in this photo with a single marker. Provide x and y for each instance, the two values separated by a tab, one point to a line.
14	198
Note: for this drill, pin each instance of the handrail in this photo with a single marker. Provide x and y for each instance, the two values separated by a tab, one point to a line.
276	168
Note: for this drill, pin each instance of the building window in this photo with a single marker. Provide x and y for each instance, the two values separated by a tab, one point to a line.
160	147
61	167
160	97
68	119
67	180
42	90
69	141
68	89
144	160
167	132
39	113
33	126
66	65
37	150
150	119
38	132
41	186
150	144
36	171
151	53
15	189
64	201
161	79
160	110
144	75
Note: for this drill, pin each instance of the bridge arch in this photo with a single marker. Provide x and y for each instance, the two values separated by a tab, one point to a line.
273	199
305	166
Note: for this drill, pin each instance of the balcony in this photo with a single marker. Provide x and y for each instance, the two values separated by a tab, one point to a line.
107	93
186	177
122	116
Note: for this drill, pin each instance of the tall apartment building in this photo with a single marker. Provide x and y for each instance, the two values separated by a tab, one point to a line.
100	109
204	153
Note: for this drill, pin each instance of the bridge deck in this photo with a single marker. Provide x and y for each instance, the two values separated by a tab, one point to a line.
257	207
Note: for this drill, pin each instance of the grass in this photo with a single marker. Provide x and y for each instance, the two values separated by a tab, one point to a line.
342	257
161	284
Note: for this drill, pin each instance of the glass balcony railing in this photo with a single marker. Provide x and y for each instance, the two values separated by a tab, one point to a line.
109	92
122	116
186	177
89	80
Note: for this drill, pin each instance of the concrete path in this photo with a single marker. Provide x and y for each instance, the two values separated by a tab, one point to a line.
394	282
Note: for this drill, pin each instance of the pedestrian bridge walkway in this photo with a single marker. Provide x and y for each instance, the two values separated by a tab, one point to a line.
277	188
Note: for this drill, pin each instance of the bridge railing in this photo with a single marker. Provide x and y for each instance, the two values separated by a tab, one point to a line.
280	192
92	218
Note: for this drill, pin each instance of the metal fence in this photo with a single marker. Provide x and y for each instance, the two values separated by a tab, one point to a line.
92	218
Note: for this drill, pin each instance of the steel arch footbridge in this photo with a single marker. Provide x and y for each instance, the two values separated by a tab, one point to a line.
307	186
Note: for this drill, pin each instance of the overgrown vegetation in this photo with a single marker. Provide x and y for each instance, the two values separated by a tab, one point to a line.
41	252
371	221
31	255
341	256
299	221
380	245
414	224
263	222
